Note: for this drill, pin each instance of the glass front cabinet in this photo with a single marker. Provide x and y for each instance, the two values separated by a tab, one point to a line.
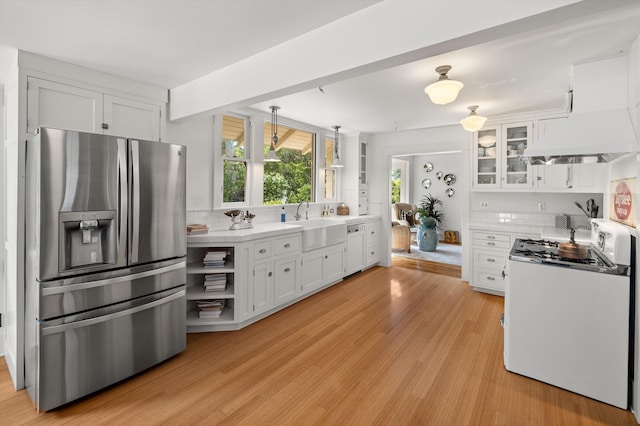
498	161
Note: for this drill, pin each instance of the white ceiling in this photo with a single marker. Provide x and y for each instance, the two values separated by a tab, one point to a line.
171	42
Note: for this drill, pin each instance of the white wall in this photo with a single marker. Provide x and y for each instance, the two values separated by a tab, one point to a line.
451	206
197	135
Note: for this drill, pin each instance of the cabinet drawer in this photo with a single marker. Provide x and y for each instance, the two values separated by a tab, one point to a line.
492	244
492	236
372	256
262	250
286	245
488	260
489	279
372	232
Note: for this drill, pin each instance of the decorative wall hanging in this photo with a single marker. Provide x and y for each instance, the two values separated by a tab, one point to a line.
426	183
428	167
449	192
439	175
449	179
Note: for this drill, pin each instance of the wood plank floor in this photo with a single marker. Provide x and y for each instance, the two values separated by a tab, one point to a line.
427	266
389	346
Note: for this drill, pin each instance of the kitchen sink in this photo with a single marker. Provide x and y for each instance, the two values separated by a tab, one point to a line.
318	233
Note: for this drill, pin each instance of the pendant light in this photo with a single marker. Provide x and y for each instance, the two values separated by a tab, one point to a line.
336	157
271	155
473	122
443	91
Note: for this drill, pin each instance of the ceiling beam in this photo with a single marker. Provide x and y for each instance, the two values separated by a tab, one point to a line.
283	139
387	34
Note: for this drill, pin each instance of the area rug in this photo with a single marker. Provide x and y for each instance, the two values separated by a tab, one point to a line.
445	253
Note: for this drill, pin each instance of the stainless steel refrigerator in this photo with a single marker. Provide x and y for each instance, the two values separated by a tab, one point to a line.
105	261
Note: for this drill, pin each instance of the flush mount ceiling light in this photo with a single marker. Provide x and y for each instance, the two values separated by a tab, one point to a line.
473	122
443	91
336	157
271	155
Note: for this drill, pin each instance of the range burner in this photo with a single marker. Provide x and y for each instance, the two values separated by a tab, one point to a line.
546	251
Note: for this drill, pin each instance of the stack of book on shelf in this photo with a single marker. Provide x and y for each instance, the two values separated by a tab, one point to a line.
214	259
197	228
215	282
210	308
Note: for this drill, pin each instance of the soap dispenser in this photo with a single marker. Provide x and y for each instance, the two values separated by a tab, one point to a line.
283	215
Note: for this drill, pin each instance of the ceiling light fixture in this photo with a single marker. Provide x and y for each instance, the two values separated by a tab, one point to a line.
336	156
443	91
473	122
271	155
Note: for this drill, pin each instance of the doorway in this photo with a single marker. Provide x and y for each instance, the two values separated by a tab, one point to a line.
412	179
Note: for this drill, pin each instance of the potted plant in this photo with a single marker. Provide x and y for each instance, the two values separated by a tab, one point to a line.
429	217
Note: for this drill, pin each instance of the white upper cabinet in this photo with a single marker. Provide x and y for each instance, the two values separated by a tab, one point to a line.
498	161
126	117
53	104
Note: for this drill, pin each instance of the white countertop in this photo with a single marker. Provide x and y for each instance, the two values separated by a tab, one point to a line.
264	230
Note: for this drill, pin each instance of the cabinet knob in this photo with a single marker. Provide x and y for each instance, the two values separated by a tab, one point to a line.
270	274
287	245
287	269
490	259
491	237
491	243
326	257
263	250
491	278
105	126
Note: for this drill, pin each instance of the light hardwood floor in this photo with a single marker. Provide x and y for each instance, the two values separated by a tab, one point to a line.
389	346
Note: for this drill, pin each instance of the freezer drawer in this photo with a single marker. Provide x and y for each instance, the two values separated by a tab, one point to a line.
81	354
71	295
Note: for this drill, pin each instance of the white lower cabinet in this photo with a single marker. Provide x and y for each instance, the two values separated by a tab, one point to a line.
490	254
285	279
372	243
322	267
275	272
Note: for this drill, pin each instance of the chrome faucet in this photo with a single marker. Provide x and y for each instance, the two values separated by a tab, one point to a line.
297	215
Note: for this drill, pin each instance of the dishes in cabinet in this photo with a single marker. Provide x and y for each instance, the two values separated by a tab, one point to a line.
487	141
486	168
490	152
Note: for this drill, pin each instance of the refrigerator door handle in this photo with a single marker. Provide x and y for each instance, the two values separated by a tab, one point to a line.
135	200
124	201
104	318
49	291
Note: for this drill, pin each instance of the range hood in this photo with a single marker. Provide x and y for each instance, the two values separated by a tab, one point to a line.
599	129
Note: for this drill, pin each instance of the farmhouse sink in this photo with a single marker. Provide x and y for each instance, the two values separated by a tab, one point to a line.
318	233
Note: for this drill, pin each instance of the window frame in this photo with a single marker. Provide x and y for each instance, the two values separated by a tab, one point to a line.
219	160
255	122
